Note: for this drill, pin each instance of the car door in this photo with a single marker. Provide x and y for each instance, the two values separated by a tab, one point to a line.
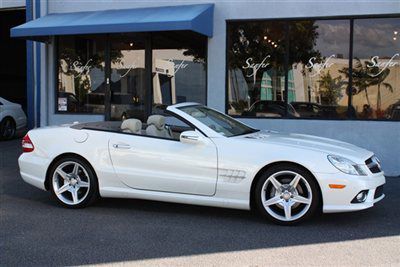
158	164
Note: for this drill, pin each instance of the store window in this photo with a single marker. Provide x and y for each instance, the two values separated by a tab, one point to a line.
318	73
113	74
376	68
179	68
127	81
256	75
81	79
318	68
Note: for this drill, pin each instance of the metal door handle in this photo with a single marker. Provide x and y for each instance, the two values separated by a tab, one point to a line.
121	146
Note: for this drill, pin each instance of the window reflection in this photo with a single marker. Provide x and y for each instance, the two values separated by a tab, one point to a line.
376	68
318	73
319	58
127	81
255	68
179	68
81	74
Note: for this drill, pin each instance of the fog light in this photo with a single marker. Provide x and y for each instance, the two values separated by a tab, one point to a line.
360	197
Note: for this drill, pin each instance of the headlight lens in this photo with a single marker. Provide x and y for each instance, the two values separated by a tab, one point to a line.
346	165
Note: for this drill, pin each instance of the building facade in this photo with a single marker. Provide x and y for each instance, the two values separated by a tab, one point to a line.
324	68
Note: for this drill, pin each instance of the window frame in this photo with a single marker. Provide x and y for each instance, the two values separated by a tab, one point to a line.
350	19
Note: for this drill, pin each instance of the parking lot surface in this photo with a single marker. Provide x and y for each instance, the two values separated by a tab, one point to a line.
35	230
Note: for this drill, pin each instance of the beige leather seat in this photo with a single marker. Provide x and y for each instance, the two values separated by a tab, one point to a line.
156	126
132	126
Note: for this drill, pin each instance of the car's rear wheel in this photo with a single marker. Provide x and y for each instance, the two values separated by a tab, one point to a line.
7	129
287	194
73	182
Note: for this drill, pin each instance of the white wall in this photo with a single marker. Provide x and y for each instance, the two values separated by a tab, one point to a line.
380	137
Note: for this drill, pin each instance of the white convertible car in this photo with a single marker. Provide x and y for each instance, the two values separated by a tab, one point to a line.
197	155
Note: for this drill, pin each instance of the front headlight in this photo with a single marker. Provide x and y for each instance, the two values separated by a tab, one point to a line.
346	165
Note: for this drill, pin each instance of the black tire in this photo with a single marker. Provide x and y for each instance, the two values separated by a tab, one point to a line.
308	210
7	129
92	192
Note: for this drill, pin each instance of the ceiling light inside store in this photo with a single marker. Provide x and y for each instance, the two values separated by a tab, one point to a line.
265	37
395	32
130	44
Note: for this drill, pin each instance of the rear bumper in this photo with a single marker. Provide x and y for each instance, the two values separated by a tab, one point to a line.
33	169
339	200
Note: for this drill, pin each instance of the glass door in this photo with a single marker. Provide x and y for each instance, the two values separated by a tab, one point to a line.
127	77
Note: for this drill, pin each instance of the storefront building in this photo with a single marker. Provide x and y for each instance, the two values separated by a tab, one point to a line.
322	68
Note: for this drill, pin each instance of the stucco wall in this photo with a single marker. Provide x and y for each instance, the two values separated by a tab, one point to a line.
381	137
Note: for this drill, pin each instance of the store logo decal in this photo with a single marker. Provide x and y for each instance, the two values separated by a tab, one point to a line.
81	70
318	67
132	66
384	65
255	66
179	66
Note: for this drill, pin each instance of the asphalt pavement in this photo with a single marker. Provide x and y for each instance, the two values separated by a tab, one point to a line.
36	231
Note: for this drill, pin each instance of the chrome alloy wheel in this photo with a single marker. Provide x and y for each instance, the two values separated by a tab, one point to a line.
286	196
71	183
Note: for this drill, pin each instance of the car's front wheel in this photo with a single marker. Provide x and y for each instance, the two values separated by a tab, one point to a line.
287	194
73	182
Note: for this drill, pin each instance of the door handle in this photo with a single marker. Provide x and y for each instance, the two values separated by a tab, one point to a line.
121	146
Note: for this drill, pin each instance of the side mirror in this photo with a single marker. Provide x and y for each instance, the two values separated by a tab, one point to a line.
191	137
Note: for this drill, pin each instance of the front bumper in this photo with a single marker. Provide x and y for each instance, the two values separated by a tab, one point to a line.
339	200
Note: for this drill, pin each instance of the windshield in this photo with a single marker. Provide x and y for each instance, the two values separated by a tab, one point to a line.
217	121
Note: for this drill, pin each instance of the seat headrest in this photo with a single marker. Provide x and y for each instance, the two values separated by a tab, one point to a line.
132	126
156	120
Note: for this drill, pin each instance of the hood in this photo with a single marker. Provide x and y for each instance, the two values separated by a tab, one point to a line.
309	142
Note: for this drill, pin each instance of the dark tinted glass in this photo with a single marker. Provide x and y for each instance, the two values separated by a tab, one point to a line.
179	68
376	68
127	82
81	80
256	68
318	68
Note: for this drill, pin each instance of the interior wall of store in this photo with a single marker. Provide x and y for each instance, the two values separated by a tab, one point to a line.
381	137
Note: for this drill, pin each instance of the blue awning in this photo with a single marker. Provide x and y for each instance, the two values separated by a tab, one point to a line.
197	18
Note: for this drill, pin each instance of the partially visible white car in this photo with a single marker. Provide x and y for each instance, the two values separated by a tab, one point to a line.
12	119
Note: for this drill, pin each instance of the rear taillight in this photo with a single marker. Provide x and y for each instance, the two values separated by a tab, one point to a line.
27	145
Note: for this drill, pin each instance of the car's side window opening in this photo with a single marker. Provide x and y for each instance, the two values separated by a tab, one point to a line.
161	126
158	126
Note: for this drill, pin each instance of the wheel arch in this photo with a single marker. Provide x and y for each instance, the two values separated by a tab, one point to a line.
63	155
270	165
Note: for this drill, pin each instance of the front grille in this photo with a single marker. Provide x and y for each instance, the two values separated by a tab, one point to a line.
378	192
373	165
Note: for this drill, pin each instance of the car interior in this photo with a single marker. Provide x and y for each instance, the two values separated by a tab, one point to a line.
155	126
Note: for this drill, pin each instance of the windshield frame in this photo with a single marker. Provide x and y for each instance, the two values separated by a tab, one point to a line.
248	129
